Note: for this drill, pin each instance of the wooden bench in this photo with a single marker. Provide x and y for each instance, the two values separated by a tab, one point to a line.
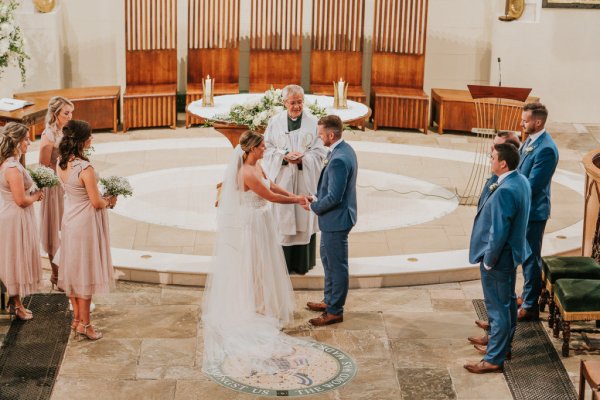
576	300
98	105
558	267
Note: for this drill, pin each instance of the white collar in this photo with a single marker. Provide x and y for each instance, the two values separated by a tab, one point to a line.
504	175
340	140
536	135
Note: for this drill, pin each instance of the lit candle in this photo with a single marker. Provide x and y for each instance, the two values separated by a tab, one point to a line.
208	86
340	89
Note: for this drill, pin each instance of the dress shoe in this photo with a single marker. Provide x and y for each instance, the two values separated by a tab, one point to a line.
483	367
519	301
327	319
480	340
483	350
483	324
320	307
528	315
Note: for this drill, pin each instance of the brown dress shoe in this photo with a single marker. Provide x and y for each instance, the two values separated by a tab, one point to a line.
483	350
483	324
483	367
528	315
327	319
481	340
519	301
320	307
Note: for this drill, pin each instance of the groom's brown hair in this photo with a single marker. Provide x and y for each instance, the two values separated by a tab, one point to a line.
332	123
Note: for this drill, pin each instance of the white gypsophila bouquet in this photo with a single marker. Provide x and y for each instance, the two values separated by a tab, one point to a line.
257	111
115	186
12	49
43	177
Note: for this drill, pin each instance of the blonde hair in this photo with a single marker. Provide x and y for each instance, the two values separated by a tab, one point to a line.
55	105
248	141
12	134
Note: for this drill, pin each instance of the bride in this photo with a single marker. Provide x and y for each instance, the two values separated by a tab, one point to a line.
249	295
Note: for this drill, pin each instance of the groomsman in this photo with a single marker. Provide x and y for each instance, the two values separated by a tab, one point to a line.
539	158
335	205
498	244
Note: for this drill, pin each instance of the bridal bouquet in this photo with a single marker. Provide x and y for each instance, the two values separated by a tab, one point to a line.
256	112
115	186
43	177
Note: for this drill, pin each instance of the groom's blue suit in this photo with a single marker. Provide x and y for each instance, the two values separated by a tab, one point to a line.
336	208
498	240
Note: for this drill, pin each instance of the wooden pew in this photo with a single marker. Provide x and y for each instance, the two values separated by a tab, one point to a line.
398	64
151	64
275	44
337	46
213	49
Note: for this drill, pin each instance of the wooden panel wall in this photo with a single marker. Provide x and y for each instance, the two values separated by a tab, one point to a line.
275	42
151	34
213	40
399	40
337	41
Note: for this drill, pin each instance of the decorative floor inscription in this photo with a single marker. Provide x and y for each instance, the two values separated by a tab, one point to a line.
313	368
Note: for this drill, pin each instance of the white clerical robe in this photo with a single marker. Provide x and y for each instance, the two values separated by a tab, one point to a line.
295	225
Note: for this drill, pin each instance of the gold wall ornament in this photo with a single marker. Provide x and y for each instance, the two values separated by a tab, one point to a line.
513	10
44	6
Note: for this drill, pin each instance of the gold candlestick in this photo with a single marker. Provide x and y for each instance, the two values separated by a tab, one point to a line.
340	94
208	86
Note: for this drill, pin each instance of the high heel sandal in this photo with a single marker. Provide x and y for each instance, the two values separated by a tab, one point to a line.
84	332
54	277
74	325
26	314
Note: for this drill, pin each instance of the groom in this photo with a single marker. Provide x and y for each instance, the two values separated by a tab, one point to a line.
335	206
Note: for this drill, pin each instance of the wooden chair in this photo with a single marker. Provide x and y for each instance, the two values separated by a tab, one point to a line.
398	64
151	63
337	46
213	48
589	372
275	44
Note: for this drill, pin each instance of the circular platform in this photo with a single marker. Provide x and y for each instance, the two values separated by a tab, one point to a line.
410	228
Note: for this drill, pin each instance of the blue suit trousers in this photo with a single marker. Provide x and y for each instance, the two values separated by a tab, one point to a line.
501	304
334	256
532	267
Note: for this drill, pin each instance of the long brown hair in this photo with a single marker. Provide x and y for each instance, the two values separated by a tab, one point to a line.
75	135
11	135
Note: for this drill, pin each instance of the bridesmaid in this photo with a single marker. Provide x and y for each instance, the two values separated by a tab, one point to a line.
20	264
85	261
60	111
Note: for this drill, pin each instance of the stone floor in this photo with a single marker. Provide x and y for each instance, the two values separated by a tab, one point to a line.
409	343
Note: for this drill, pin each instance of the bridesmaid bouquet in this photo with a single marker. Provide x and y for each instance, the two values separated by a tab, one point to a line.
115	186
43	177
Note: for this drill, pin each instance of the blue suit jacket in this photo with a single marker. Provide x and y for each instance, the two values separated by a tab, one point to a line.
336	191
501	222
538	166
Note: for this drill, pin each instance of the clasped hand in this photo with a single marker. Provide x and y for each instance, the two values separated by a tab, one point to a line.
294	157
305	201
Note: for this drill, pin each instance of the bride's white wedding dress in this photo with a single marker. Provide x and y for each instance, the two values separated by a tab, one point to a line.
249	295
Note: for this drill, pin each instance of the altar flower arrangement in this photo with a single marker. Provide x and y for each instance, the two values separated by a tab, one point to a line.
43	177
257	111
115	186
12	49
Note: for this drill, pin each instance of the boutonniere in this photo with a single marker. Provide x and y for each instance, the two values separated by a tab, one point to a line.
325	162
493	187
529	149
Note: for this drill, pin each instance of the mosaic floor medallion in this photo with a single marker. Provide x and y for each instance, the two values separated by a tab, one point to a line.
313	368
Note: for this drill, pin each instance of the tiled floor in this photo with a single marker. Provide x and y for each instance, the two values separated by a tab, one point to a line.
409	343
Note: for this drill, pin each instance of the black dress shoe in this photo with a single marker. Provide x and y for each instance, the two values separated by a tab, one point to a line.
528	315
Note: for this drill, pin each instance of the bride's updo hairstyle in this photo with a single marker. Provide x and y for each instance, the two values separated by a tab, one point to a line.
75	135
11	135
250	140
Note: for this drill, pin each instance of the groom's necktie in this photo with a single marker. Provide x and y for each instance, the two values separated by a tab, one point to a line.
525	145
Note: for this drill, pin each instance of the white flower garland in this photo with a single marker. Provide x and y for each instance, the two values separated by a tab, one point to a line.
12	49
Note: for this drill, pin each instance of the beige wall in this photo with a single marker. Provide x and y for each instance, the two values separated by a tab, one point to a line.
463	42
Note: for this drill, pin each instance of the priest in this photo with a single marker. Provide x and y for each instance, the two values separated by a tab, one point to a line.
293	160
